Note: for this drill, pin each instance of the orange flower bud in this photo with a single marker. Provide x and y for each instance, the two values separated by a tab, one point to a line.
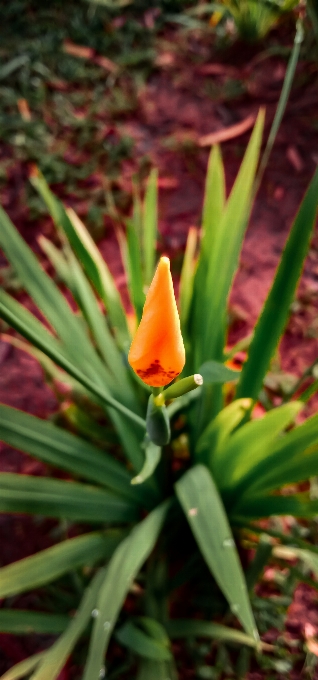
157	352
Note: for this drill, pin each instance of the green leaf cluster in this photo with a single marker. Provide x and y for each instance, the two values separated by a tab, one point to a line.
150	483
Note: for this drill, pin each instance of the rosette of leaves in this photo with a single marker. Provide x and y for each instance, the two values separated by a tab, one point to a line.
176	524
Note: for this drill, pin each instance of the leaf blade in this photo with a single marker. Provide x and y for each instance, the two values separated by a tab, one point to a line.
64	450
274	314
55	658
55	498
20	622
51	563
150	226
200	501
123	567
179	628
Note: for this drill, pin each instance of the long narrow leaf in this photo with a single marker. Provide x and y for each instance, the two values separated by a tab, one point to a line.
293	458
48	565
54	498
49	299
187	278
150	221
149	670
88	253
179	628
209	331
58	260
250	445
205	513
226	248
134	269
152	458
123	567
15	314
256	507
276	309
64	450
218	431
56	657
20	670
121	387
19	622
214	203
138	641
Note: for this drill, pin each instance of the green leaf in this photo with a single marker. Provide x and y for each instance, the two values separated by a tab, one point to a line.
141	643
18	317
251	444
118	380
149	670
63	450
155	629
123	568
24	322
54	498
134	269
187	279
20	670
137	213
48	565
291	459
224	253
55	658
150	222
179	628
28	325
273	318
256	507
157	423
218	431
227	247
214	203
260	560
89	255
19	622
50	300
205	513
57	258
214	372
209	330
152	458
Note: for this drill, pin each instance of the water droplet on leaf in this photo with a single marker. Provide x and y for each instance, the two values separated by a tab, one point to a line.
107	625
228	543
193	512
95	613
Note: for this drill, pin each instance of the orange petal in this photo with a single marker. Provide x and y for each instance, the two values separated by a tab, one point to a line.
157	352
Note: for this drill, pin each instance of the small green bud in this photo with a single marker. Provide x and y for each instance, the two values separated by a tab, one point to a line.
183	386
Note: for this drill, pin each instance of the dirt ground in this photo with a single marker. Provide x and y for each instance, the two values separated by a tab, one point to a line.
184	100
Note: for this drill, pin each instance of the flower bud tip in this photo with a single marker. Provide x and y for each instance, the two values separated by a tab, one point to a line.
198	379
